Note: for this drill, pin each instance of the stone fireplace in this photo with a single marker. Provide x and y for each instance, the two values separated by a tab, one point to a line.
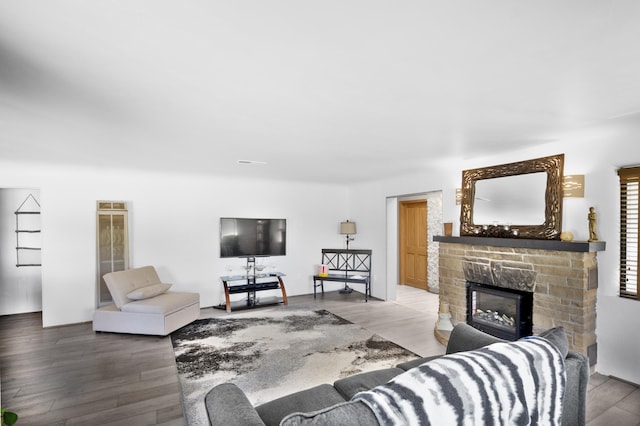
563	278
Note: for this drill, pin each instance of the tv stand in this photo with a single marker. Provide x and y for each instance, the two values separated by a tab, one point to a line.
250	284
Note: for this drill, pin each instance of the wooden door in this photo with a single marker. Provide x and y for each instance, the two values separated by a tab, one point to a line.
413	243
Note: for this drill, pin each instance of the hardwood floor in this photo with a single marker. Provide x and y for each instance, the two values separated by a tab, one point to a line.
72	376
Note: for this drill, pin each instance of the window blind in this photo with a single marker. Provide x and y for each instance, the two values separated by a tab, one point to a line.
629	249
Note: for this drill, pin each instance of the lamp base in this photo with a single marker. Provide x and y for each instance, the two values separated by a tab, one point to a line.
346	290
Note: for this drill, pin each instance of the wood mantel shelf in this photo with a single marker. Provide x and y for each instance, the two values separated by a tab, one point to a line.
573	246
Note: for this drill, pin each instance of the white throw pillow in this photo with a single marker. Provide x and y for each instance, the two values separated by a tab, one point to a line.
148	291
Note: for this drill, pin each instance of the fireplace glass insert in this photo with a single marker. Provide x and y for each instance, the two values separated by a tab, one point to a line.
501	312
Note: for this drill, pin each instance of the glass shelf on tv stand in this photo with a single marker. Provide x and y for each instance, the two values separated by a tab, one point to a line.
241	277
250	284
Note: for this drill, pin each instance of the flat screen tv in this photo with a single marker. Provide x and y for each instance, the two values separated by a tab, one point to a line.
243	237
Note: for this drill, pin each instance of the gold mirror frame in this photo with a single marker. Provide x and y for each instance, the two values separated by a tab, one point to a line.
552	226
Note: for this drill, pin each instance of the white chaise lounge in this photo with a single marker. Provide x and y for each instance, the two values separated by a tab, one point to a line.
142	304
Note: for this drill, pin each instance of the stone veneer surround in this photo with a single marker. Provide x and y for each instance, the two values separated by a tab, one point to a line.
566	281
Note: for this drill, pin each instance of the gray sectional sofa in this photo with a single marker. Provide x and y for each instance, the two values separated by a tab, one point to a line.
326	404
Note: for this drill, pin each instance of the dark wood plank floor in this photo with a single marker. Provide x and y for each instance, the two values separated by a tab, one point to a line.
72	376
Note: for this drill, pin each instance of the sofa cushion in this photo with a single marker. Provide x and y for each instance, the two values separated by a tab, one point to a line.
163	304
148	291
121	283
466	338
351	385
312	399
558	337
408	365
347	413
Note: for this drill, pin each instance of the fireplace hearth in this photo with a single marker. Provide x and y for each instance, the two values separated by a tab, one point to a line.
502	312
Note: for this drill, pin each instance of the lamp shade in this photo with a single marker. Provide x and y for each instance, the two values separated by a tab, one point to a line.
347	228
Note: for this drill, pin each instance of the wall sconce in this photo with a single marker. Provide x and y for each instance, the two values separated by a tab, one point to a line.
348	228
573	186
458	196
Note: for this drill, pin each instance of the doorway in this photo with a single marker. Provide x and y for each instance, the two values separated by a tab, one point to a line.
434	227
20	270
413	243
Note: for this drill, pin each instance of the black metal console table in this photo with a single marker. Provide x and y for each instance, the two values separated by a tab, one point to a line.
347	266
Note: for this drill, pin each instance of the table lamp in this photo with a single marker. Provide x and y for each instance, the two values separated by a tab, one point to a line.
348	228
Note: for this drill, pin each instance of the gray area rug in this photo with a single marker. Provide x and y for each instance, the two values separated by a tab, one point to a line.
272	353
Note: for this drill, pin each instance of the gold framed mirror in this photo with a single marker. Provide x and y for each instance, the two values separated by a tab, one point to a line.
515	200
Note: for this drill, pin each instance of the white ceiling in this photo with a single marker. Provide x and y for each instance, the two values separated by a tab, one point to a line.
332	90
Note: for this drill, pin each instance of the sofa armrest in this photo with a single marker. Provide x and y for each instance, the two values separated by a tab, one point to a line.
227	405
574	407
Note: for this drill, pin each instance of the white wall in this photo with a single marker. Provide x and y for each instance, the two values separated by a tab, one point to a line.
596	153
174	220
174	225
20	288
